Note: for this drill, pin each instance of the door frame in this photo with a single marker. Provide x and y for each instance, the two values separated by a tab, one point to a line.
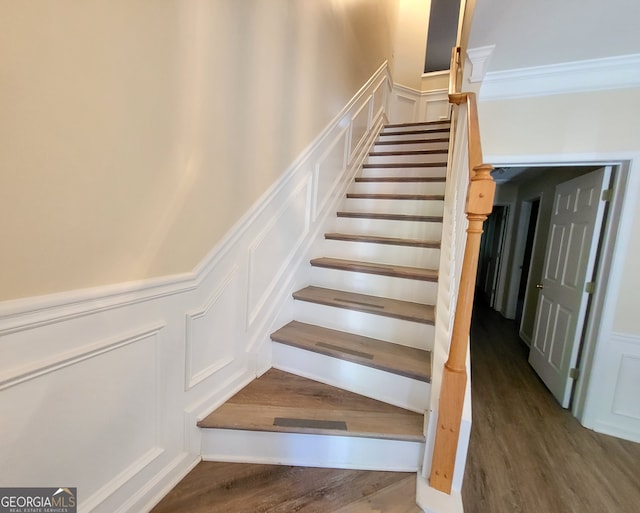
615	239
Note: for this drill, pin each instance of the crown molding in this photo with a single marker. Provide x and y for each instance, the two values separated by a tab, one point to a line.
479	58
564	78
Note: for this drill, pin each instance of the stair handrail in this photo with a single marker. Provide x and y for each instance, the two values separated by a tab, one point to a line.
479	204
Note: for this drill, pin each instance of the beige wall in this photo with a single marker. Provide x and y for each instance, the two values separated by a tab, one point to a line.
587	124
135	133
411	43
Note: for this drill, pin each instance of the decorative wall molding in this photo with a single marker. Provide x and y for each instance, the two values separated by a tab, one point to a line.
277	244
618	374
564	78
479	58
203	355
15	376
412	106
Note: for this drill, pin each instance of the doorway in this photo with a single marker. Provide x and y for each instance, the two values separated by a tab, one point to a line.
491	251
530	209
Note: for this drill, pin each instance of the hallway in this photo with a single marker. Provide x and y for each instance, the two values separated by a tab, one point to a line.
528	455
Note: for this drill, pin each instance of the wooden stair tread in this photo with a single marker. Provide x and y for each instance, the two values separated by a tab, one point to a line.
406	310
286	403
378	354
391	217
395	271
395	241
413	141
393	179
413	132
407	152
417	123
421	197
400	165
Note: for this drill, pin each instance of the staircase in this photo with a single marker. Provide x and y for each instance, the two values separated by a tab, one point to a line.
351	373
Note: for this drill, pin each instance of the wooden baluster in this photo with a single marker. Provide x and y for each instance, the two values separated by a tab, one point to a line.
454	380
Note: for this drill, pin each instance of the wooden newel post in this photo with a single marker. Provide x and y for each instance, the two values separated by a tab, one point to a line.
454	380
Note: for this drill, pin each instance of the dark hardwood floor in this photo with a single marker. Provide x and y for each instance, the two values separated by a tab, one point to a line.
527	454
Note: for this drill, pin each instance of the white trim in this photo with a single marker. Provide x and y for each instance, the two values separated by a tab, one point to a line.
162	483
479	58
121	479
567	77
311	450
435	73
57	362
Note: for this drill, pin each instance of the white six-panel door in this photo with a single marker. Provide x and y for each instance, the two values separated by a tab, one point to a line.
578	211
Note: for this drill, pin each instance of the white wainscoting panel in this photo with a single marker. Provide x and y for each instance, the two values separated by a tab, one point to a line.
617	372
329	169
403	107
93	420
209	331
101	389
412	106
360	125
272	251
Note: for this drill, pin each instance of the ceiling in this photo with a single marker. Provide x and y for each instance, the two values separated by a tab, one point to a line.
543	32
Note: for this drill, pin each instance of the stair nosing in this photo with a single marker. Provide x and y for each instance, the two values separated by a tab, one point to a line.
414	132
412	141
390	217
400	179
400	165
432	244
400	153
417	197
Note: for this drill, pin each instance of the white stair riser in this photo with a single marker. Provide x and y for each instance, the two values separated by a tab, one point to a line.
409	171
420	230
398	331
310	450
409	128
428	258
394	206
398	187
393	159
390	136
387	387
418	291
418	145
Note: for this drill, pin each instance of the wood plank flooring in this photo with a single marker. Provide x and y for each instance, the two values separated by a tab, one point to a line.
527	454
239	488
283	402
